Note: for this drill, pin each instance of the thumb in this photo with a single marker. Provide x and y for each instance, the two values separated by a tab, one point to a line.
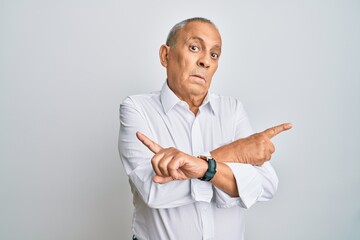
161	180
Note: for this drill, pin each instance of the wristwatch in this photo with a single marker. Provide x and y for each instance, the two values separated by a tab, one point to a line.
211	171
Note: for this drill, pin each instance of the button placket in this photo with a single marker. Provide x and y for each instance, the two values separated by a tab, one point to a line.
202	188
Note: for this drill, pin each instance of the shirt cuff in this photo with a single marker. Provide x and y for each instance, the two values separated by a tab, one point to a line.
249	185
201	191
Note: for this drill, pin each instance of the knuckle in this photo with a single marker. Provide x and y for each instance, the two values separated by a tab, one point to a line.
171	167
260	155
174	150
154	160
274	130
261	137
162	165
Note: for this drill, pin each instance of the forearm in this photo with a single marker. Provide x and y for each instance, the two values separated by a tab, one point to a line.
253	184
224	153
174	194
250	183
137	164
224	180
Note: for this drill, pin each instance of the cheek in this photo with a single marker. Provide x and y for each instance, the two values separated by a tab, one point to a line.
214	70
188	60
178	64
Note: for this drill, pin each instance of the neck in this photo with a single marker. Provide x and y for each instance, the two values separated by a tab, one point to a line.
194	102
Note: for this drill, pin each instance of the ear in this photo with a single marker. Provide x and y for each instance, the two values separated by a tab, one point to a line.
163	54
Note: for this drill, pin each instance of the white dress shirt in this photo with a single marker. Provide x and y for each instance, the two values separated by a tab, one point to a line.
190	209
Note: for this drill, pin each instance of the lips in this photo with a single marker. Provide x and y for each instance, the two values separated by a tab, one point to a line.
199	78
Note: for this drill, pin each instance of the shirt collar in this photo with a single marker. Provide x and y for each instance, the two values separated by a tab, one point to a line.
169	100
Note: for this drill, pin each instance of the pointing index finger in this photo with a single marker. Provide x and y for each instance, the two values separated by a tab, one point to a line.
150	144
272	132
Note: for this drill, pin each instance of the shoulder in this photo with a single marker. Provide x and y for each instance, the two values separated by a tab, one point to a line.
141	104
141	99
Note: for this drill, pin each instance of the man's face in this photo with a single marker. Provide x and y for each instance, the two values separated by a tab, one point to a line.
192	62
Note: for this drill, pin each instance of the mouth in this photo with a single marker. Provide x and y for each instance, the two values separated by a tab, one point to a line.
199	78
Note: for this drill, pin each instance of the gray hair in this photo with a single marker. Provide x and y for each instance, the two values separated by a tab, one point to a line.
171	39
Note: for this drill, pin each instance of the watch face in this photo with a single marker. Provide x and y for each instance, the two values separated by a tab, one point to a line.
206	158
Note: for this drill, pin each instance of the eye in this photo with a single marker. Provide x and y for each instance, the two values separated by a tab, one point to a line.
194	48
214	55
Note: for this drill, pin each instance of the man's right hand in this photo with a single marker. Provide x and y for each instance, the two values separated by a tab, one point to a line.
172	164
255	149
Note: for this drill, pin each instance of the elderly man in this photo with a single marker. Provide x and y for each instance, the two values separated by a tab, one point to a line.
205	166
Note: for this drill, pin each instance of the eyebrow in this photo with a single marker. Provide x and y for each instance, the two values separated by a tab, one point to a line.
202	40
197	38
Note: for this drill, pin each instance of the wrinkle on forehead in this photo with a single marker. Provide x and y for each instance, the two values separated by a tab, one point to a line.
193	26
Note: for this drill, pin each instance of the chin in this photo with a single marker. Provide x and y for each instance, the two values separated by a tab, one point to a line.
197	91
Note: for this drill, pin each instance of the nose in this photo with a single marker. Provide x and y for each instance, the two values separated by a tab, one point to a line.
204	61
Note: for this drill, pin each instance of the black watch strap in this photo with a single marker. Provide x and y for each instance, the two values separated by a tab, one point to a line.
211	171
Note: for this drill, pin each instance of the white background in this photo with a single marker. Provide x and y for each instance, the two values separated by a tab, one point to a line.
65	66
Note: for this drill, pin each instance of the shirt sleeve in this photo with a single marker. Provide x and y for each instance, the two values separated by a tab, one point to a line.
254	183
136	159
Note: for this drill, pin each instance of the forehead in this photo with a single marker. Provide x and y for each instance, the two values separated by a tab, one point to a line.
202	30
